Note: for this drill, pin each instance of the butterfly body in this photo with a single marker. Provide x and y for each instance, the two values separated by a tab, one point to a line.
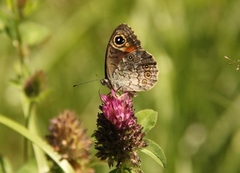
128	67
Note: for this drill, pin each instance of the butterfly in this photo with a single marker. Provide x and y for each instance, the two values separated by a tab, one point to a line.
128	67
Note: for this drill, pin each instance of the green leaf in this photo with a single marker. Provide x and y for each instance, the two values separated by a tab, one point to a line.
147	118
28	167
33	33
5	166
2	24
64	164
155	152
123	170
30	6
6	23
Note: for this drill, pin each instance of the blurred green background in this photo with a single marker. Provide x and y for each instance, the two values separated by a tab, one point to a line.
197	94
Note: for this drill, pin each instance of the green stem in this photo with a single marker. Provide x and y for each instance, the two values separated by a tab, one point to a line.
28	116
18	42
63	163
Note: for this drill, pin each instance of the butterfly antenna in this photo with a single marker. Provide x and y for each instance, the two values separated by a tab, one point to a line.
85	82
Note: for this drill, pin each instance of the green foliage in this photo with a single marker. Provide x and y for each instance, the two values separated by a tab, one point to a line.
197	95
148	118
33	33
40	143
5	165
121	171
155	151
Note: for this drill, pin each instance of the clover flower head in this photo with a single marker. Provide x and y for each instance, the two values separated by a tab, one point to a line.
118	136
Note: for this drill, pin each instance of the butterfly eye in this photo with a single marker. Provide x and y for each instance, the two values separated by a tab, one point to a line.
119	40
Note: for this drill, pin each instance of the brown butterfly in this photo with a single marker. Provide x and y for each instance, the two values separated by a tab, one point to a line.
128	67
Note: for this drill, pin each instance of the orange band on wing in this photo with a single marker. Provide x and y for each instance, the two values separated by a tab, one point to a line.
130	49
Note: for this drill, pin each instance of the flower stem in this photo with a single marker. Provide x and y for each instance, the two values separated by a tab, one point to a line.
27	118
17	40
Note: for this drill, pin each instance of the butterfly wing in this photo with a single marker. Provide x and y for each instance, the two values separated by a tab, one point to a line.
136	72
123	73
122	41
